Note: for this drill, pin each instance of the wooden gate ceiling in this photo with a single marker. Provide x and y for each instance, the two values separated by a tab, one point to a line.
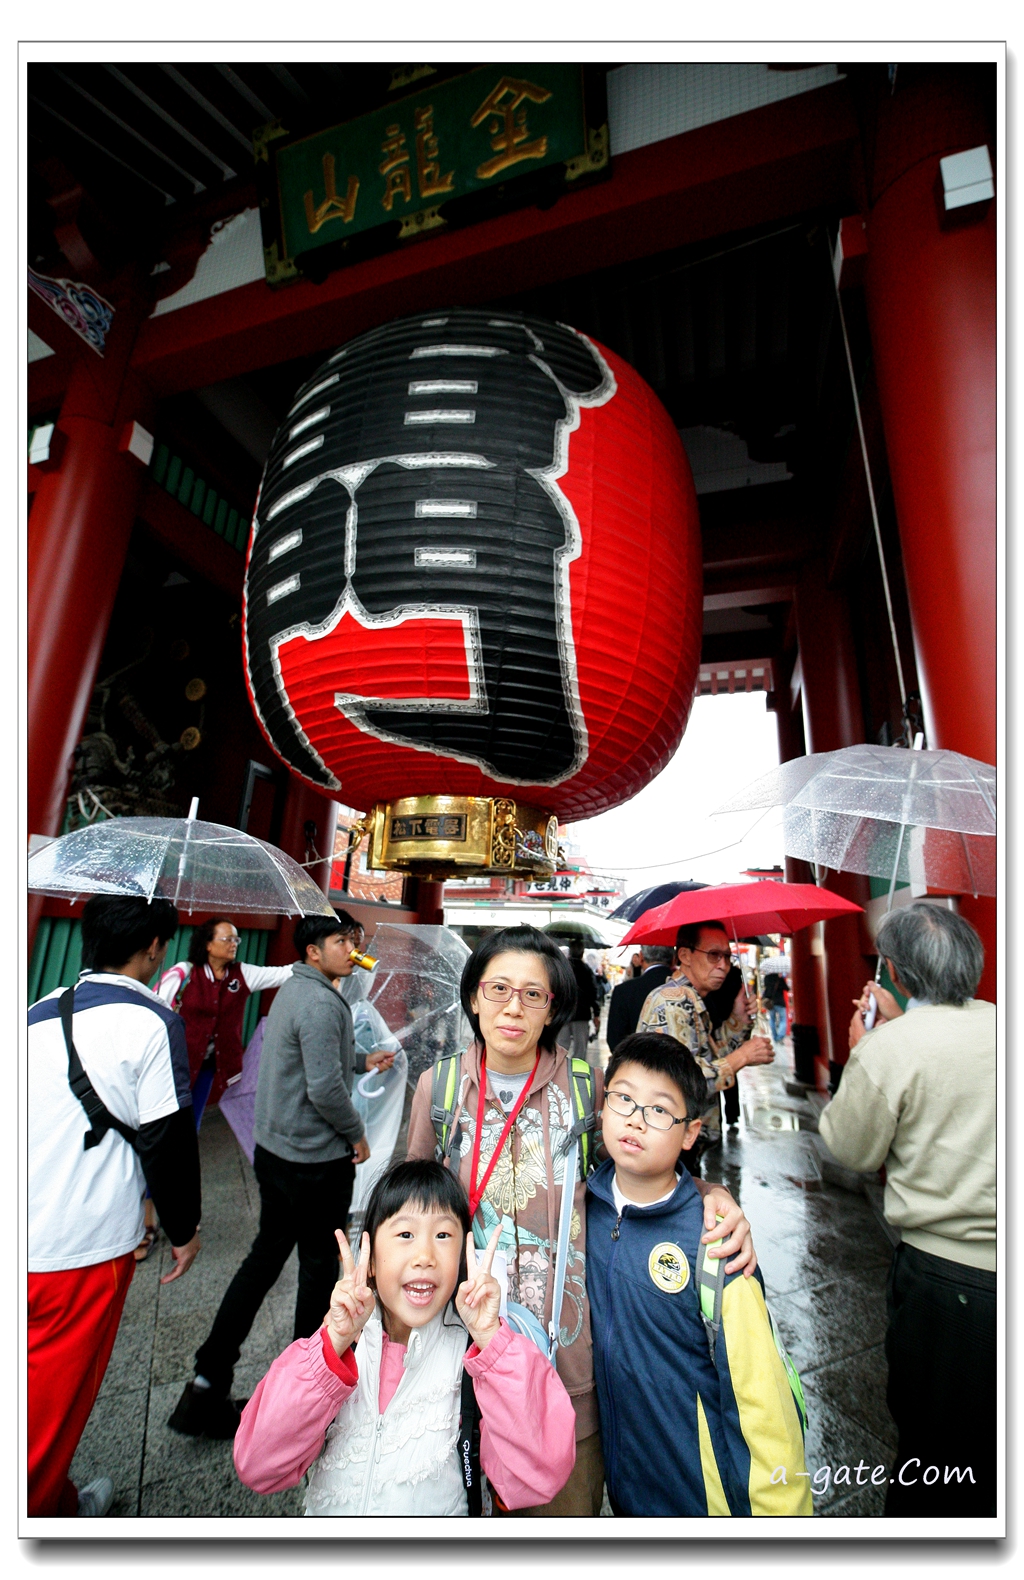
734	329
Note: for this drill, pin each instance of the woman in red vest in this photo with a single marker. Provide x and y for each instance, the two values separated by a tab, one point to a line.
210	991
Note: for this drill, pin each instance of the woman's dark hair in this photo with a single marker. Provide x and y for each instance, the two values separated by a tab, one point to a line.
115	928
202	937
663	1055
523	941
425	1184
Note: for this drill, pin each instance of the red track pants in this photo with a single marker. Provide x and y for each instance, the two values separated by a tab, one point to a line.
72	1324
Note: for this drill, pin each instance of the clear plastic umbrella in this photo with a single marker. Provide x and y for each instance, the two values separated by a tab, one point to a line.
415	987
926	818
199	866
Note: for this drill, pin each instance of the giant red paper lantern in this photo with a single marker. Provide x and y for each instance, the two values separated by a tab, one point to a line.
475	570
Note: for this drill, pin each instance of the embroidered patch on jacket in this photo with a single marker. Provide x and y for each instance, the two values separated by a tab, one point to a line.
668	1267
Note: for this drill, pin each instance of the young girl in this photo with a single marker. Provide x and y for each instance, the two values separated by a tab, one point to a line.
384	1417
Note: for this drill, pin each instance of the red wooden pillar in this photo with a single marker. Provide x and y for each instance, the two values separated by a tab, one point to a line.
303	806
804	985
78	531
427	900
79	527
931	296
833	718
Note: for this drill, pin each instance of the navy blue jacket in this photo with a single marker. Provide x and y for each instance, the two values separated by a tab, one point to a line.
681	1434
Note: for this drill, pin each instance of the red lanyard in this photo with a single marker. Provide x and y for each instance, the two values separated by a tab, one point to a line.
476	1191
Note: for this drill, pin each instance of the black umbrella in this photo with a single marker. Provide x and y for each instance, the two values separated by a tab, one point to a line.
633	908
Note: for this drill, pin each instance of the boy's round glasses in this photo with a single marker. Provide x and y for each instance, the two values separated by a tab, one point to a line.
502	993
653	1114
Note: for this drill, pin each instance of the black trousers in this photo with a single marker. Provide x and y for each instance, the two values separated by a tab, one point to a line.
299	1202
941	1349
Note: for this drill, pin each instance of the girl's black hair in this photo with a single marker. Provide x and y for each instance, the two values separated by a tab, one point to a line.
202	937
524	941
425	1184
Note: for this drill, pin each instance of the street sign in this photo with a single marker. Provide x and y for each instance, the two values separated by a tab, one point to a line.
454	152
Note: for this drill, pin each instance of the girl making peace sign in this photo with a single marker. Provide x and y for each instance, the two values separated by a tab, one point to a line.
378	1392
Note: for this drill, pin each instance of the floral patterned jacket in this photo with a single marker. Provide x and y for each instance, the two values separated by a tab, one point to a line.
524	1193
678	1010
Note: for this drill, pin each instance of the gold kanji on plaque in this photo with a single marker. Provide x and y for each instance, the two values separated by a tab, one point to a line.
333	207
428	170
395	167
509	135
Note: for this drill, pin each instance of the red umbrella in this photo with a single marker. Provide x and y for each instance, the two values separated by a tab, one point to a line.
767	907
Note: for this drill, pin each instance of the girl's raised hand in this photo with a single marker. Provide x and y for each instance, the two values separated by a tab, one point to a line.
352	1300
478	1300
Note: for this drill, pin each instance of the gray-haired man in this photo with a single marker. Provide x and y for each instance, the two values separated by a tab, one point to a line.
919	1095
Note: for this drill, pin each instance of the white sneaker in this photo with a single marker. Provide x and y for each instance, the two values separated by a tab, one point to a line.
96	1498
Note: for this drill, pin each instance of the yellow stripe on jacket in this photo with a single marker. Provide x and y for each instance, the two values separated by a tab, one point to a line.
769	1421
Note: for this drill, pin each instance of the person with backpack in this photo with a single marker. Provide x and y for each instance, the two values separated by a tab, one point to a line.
701	1411
109	1112
413	1384
516	1152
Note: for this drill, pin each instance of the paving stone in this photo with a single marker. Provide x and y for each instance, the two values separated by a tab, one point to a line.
833	1441
113	1444
827	1323
855	1388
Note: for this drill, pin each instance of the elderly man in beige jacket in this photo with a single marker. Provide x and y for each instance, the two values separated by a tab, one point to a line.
919	1095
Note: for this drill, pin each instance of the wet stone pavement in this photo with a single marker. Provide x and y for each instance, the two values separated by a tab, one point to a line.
823	1255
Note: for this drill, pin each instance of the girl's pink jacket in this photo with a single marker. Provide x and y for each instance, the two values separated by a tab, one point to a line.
527	1426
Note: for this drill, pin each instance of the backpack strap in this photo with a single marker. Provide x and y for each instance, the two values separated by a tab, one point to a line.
467	1444
583	1099
710	1288
444	1103
100	1118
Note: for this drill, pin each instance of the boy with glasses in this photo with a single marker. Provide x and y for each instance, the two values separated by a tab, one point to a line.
700	1411
678	1010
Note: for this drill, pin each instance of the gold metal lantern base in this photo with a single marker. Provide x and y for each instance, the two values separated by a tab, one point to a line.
446	836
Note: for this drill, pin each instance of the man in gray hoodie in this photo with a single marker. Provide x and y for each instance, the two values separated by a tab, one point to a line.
309	1138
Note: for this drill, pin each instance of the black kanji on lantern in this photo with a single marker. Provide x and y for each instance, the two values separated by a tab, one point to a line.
417	472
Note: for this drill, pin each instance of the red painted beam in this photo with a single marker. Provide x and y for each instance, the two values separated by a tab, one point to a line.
48	380
190	541
750	170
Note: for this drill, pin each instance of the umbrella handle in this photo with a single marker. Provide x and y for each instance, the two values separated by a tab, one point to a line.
361	1086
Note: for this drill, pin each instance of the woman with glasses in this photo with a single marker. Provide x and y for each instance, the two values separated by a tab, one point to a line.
210	990
512	1117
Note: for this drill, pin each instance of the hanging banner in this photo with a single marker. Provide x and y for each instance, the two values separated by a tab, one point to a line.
451	153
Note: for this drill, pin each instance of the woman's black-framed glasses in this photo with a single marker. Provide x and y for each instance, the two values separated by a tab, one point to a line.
503	993
651	1113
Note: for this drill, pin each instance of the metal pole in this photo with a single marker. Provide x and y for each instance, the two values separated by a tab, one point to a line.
871	498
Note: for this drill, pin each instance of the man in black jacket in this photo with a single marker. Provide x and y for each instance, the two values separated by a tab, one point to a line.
628	997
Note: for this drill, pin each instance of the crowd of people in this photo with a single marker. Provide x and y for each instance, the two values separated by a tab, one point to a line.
547	1301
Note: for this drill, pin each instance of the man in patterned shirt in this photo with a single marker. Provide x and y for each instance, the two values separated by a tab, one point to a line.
678	1009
